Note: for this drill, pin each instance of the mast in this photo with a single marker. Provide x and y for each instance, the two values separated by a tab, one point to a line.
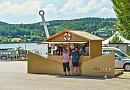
41	13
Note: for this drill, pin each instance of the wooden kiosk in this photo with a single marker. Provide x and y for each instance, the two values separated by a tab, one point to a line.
92	62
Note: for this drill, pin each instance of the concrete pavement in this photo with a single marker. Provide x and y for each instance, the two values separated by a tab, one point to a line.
13	76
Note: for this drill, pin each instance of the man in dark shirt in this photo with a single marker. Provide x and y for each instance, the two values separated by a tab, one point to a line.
75	61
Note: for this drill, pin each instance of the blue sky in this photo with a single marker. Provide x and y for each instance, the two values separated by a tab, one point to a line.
26	11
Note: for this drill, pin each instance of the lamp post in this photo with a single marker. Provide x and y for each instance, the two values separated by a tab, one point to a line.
25	36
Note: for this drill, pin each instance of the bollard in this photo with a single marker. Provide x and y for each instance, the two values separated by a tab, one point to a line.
105	76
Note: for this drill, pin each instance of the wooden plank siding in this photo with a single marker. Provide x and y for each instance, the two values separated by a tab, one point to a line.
95	48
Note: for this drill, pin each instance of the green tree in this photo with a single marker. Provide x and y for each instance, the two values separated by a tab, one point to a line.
122	9
116	39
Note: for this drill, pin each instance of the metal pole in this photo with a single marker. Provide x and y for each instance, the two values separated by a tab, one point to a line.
25	42
25	46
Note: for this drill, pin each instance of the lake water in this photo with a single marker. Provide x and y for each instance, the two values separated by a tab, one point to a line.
39	48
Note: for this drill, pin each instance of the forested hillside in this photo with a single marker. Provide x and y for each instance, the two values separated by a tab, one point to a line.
34	32
3	23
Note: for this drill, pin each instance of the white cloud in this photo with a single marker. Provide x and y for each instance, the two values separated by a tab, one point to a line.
27	8
27	11
50	8
70	6
93	5
106	12
87	7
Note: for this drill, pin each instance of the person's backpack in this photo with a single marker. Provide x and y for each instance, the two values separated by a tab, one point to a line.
77	56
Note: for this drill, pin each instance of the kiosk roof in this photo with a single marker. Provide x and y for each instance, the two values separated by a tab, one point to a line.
87	35
79	33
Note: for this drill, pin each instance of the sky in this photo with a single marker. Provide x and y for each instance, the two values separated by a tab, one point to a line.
26	11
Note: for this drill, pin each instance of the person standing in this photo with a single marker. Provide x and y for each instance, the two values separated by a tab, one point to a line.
75	61
65	60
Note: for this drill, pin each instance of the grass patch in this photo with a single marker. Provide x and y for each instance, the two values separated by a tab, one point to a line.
20	60
126	74
129	53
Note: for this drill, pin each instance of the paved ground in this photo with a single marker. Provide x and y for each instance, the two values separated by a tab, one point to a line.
13	76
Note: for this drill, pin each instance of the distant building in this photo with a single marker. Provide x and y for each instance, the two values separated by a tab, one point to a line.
8	53
104	33
121	45
15	39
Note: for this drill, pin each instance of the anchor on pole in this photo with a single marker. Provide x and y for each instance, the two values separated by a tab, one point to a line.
42	13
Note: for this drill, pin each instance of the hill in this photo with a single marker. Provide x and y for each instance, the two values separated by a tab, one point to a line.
35	31
3	23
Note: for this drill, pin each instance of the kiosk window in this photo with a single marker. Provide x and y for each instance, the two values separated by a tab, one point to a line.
58	49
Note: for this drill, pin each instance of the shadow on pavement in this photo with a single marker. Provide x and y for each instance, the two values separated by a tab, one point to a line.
75	77
124	77
83	77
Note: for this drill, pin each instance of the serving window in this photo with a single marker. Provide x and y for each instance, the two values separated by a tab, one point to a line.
58	49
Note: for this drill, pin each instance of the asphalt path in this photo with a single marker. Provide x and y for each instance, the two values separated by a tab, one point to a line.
14	76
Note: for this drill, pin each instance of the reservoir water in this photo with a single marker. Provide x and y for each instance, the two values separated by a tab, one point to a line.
40	48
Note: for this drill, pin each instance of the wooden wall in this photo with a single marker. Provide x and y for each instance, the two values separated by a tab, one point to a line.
95	48
60	38
41	65
99	66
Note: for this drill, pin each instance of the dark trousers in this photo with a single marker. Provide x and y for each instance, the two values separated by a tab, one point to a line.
66	66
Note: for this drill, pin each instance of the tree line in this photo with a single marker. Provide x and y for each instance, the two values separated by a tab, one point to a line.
35	32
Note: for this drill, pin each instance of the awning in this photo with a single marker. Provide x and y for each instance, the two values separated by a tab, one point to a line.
61	42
